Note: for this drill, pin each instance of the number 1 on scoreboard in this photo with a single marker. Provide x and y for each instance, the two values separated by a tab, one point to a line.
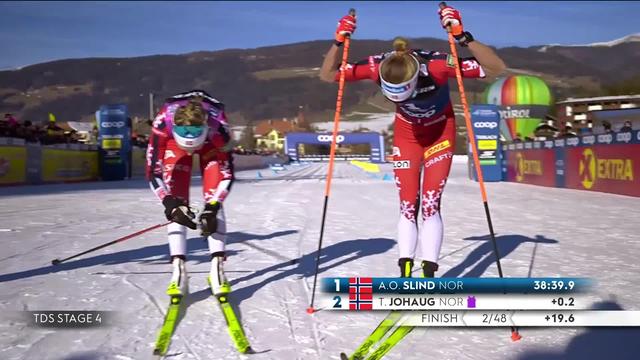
337	281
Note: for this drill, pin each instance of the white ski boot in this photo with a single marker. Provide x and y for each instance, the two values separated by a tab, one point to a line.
218	282
179	285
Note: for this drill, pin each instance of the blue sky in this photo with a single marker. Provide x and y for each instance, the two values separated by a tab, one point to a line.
32	32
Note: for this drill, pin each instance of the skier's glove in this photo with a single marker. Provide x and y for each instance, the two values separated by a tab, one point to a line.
209	219
450	19
346	27
178	211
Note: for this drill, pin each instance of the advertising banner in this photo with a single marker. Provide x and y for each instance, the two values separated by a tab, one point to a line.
534	166
60	165
114	141
13	165
485	120
375	141
609	168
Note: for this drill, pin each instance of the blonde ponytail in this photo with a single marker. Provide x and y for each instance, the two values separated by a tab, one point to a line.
401	66
400	44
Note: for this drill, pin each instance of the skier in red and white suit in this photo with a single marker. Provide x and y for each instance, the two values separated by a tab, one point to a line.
424	125
191	123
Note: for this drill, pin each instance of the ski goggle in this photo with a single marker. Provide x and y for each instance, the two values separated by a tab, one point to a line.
188	131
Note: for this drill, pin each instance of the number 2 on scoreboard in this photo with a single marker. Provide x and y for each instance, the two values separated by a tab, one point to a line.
337	300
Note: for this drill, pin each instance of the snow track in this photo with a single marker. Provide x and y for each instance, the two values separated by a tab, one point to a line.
274	224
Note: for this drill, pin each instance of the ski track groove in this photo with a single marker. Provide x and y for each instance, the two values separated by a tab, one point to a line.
153	300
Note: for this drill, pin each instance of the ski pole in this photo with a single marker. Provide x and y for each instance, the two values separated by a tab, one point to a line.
332	154
58	261
515	335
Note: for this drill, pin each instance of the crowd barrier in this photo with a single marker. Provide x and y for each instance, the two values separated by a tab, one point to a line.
24	163
606	163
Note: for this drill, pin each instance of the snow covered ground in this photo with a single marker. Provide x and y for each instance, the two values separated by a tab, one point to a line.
373	121
275	219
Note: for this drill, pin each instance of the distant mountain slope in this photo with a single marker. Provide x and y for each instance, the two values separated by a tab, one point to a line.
272	82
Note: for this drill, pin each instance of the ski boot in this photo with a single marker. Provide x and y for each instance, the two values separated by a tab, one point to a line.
429	269
217	281
179	282
406	264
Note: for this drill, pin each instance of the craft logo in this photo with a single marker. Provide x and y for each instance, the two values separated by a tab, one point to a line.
361	293
526	167
436	148
591	169
437	159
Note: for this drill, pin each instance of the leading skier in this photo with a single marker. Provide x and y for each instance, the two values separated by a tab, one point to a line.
191	123
424	125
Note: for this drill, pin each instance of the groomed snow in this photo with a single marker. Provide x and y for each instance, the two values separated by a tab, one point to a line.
276	219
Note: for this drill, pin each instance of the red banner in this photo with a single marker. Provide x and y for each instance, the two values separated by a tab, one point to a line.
535	166
607	168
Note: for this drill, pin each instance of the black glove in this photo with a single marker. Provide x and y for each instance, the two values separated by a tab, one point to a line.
209	219
464	38
178	211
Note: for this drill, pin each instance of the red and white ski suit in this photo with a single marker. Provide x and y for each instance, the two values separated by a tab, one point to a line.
423	141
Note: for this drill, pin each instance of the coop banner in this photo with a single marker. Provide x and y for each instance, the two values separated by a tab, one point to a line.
611	168
485	120
532	166
114	141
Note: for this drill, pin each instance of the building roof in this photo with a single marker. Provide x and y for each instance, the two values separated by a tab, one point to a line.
625	114
599	99
282	126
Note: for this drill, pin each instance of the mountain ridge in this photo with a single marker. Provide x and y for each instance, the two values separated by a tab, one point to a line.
272	81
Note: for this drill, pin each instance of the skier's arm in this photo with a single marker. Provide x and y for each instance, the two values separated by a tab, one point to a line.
155	154
492	64
330	64
222	142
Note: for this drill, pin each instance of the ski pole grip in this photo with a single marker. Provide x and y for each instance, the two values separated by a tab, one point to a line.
443	5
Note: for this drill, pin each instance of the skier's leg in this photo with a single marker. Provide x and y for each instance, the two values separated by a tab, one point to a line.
437	163
216	181
177	178
407	156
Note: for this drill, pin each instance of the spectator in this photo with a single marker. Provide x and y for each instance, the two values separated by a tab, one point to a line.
10	126
607	127
53	135
626	127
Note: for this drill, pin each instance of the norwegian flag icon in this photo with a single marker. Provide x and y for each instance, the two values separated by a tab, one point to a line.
361	293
